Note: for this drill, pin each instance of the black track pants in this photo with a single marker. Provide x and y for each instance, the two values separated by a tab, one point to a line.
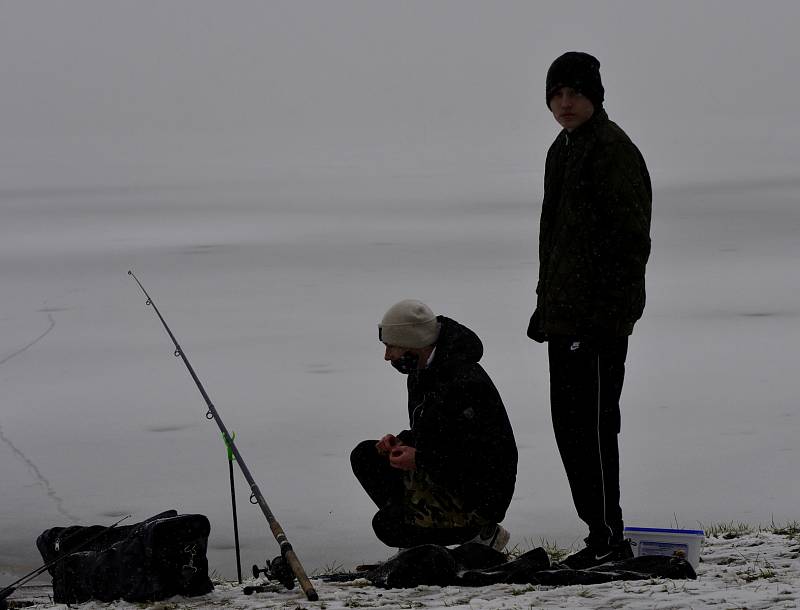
586	379
384	485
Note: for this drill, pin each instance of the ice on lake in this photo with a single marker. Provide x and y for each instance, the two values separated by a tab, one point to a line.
274	289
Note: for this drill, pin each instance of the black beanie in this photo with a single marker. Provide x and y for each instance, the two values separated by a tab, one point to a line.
580	71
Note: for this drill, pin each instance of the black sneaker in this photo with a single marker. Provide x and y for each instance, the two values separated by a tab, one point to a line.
592	556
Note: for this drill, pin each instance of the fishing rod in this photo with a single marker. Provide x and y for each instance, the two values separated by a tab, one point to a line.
7	591
256	496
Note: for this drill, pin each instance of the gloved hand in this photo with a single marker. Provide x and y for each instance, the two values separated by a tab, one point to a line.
535	330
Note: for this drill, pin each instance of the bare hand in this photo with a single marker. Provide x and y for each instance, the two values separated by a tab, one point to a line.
387	443
403	457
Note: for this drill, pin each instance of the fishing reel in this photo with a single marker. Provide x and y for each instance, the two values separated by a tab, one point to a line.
277	569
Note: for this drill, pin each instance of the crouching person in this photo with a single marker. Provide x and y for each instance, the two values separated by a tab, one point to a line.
449	478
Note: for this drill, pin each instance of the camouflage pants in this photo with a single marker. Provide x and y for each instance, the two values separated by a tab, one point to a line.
430	505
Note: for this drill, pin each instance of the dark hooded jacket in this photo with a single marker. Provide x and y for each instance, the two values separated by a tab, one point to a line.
459	425
594	237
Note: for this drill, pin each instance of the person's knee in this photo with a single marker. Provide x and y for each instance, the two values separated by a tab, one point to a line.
388	525
362	454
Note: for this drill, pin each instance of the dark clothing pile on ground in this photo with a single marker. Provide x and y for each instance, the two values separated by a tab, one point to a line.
474	565
466	455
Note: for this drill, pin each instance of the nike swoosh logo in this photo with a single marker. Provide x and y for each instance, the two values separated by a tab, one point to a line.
603	556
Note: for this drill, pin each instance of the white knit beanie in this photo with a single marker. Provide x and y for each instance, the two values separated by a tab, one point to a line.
409	323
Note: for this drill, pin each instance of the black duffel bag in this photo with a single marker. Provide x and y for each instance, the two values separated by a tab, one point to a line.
152	560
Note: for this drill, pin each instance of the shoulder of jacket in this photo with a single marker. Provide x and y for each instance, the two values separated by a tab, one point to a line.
455	375
612	143
609	133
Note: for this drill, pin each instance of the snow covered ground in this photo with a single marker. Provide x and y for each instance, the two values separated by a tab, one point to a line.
753	571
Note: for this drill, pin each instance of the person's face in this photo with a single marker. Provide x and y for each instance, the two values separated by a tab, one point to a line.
403	359
571	108
393	352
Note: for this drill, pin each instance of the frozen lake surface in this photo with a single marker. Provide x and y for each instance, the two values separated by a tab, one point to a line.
274	289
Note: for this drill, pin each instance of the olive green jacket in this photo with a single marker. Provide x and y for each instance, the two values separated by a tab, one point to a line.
594	236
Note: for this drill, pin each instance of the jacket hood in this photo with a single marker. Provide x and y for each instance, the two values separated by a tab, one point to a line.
456	343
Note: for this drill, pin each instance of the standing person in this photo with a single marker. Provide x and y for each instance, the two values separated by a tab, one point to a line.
594	242
449	478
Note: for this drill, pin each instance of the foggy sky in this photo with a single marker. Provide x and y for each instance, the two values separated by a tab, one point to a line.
151	92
